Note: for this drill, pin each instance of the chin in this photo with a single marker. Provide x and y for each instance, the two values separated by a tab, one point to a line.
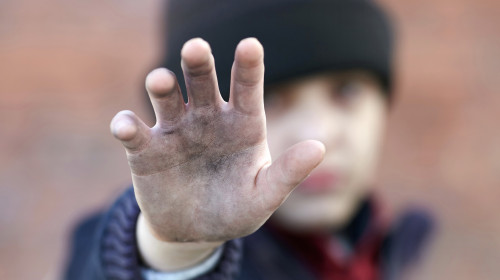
317	213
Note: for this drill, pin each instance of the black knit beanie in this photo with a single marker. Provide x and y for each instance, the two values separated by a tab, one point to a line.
300	37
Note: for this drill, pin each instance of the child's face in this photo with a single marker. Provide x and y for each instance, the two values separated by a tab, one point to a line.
347	112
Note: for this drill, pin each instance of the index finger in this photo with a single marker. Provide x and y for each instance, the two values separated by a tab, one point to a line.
247	77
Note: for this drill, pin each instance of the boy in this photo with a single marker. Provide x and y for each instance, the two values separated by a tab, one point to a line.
212	180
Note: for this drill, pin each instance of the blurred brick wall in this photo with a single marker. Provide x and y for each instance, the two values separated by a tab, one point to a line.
443	144
66	67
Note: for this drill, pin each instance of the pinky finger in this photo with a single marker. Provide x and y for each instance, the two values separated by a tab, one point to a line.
130	130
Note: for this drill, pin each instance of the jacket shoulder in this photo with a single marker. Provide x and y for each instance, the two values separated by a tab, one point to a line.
406	241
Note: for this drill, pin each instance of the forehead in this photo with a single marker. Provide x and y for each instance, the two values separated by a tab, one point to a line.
327	78
350	92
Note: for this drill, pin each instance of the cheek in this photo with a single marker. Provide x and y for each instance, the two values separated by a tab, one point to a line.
273	141
277	137
367	136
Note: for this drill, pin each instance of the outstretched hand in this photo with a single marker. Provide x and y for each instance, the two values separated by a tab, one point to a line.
204	171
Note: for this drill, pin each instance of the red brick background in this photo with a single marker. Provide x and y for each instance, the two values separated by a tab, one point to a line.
66	67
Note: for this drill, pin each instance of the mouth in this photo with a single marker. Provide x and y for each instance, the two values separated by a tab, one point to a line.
319	182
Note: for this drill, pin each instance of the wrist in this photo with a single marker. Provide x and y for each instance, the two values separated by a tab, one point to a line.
170	256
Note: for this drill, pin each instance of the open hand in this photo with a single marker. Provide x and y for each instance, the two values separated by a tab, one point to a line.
204	172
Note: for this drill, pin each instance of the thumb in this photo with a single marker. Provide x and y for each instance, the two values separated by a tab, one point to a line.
291	168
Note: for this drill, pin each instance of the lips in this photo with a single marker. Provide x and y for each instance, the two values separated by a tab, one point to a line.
319	182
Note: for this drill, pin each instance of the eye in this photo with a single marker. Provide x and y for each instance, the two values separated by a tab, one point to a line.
348	90
271	99
277	99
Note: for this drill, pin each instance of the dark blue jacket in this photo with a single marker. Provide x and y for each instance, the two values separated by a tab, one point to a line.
104	247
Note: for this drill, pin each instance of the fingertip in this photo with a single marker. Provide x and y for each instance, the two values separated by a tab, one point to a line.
161	81
125	131
300	159
294	165
123	127
319	147
196	52
249	52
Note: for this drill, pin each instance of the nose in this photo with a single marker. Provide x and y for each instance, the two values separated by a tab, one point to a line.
321	122
312	125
